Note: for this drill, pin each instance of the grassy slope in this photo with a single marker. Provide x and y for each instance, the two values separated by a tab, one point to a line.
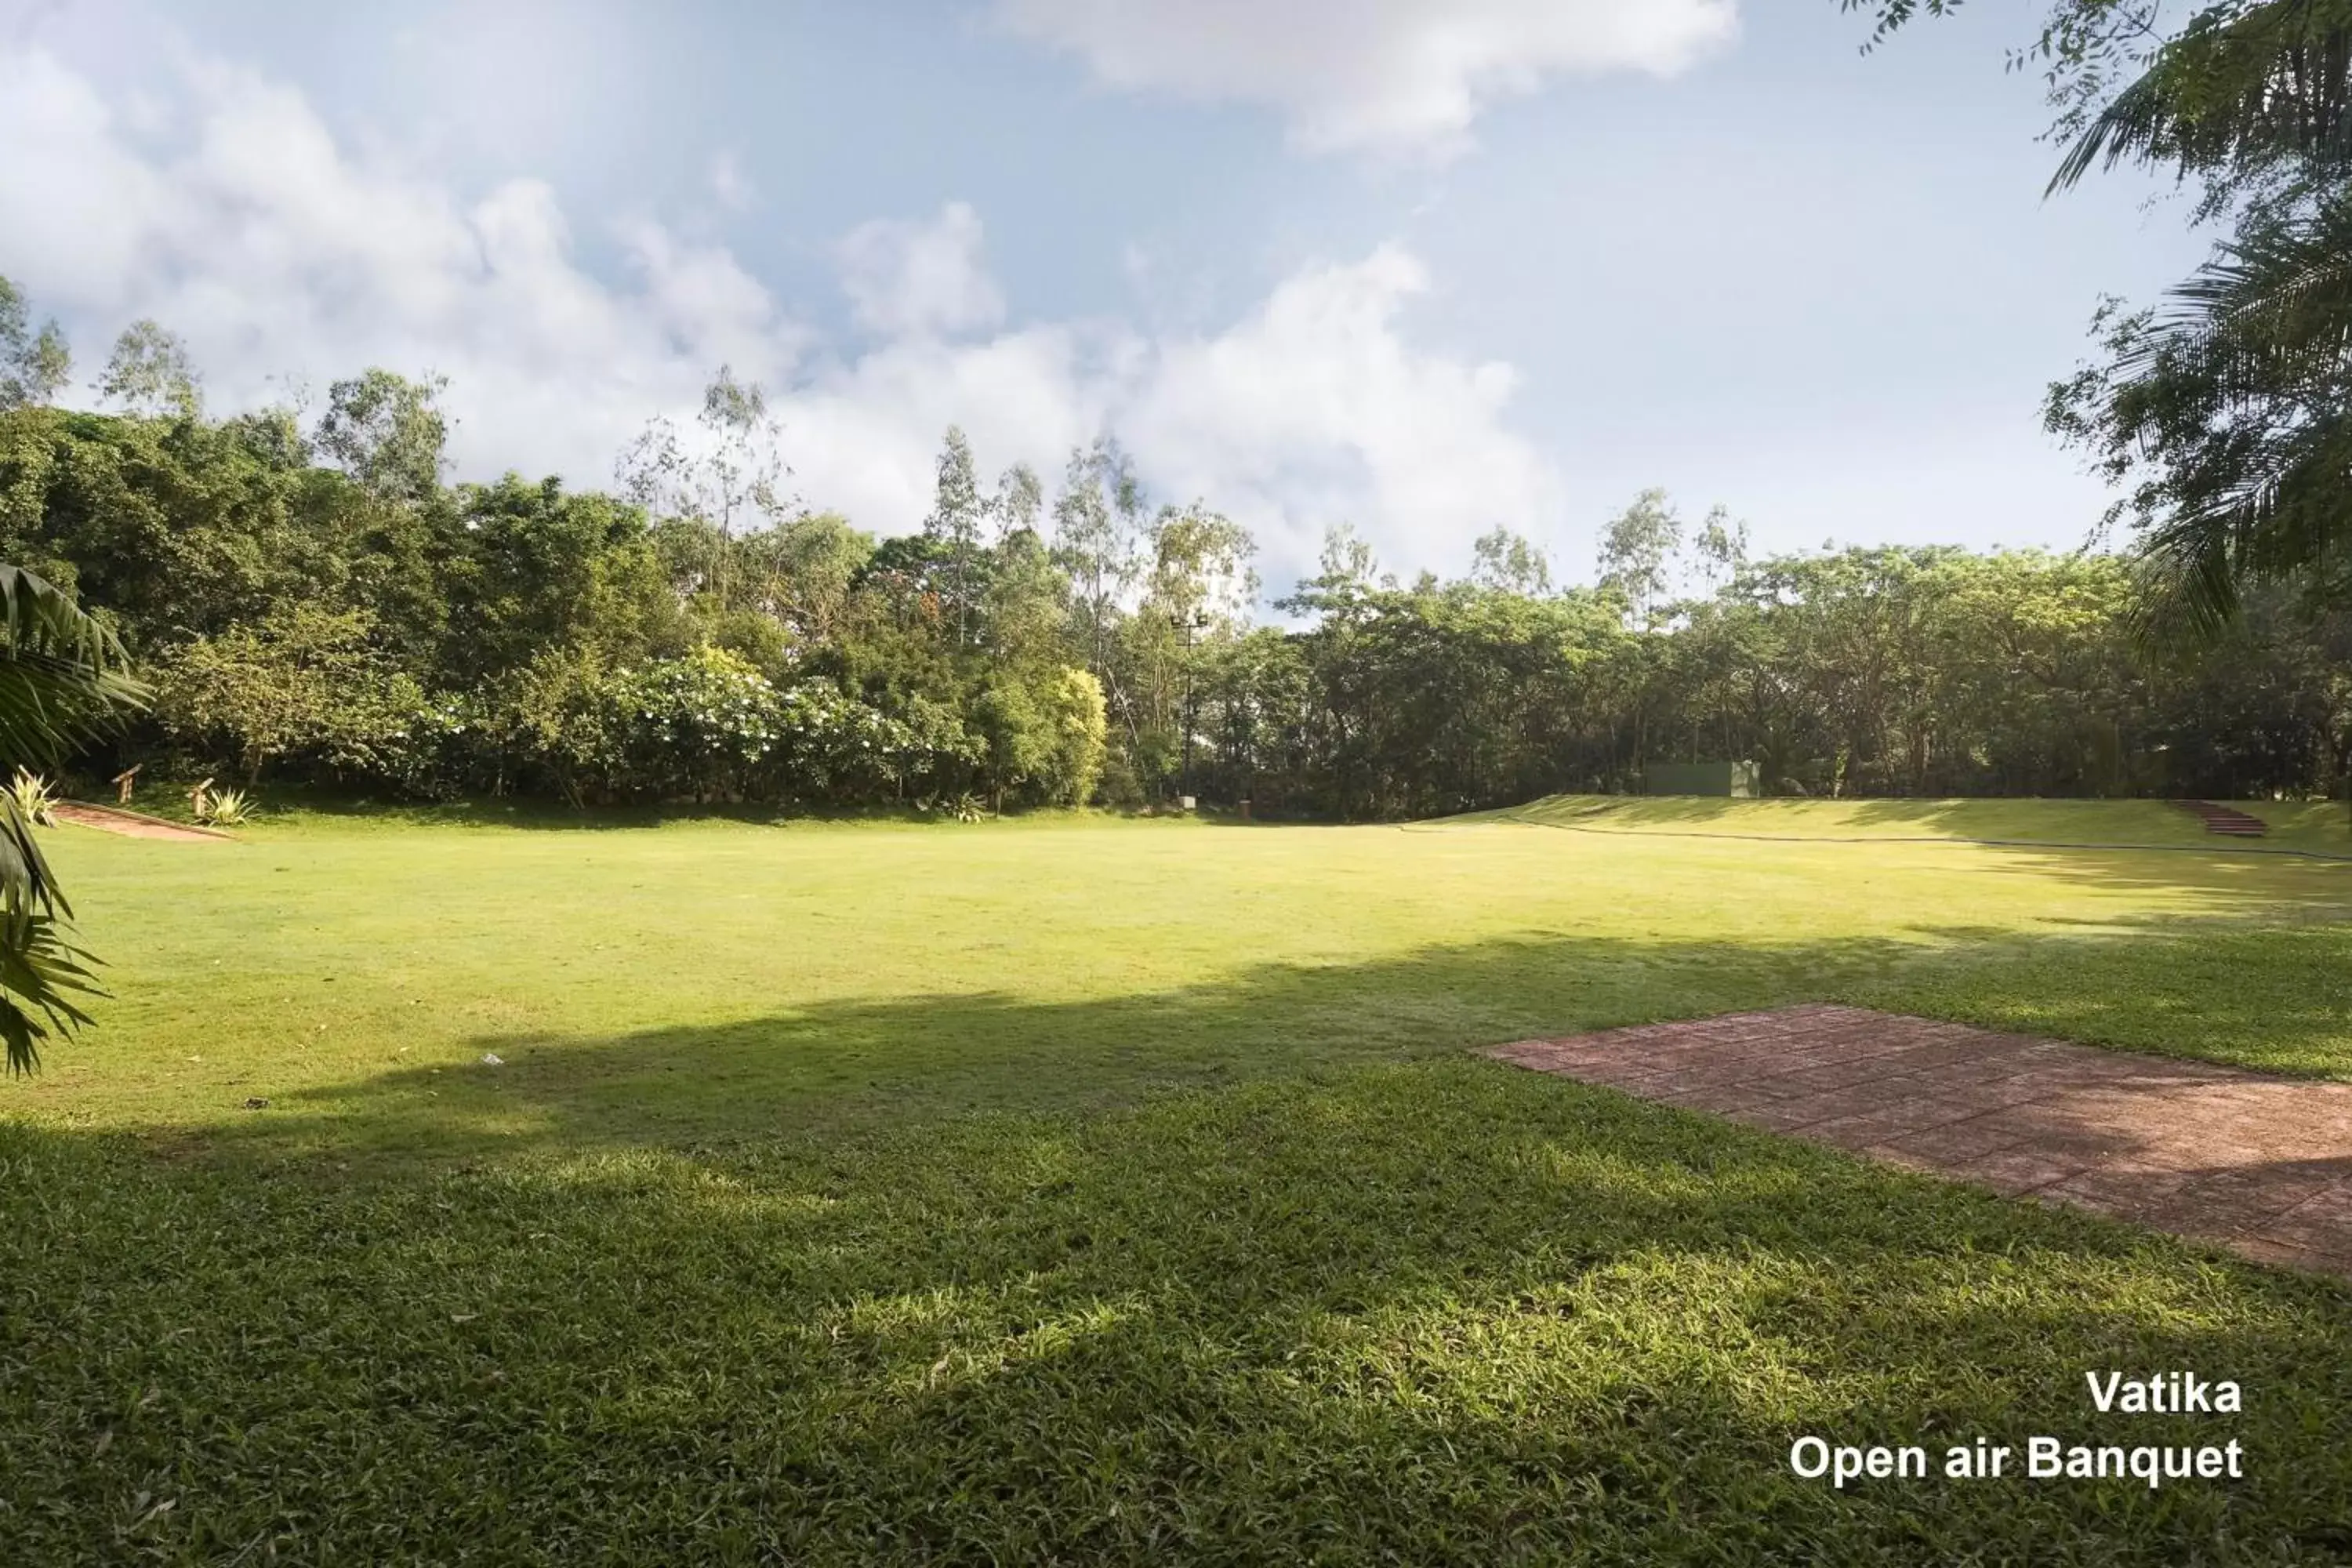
1107	1191
2315	825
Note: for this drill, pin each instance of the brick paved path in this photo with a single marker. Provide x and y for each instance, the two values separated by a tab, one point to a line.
131	824
2260	1164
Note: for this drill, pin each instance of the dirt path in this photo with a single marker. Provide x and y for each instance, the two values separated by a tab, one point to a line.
131	824
2260	1164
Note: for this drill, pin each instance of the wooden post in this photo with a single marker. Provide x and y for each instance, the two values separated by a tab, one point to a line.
121	783
196	800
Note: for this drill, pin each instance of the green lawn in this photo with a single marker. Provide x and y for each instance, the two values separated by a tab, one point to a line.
1110	1191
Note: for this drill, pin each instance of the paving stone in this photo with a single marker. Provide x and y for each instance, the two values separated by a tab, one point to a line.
2258	1163
1772	1118
2020	1168
2322	1220
2121	1195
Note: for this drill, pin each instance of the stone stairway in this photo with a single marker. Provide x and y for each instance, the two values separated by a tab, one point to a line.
2224	820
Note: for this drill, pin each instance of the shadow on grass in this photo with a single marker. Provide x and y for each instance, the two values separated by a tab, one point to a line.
1260	1270
1438	1311
2274	998
2117	822
2218	878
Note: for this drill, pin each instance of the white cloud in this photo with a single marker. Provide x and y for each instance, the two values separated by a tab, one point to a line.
730	186
919	278
236	218
238	222
1393	76
1318	393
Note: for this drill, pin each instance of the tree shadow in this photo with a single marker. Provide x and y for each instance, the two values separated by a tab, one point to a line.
2208	877
855	1064
2276	998
2088	824
1434	1311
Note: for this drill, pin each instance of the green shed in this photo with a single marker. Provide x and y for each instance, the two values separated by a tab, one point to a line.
1734	780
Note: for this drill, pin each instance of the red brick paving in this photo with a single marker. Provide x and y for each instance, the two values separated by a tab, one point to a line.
2260	1164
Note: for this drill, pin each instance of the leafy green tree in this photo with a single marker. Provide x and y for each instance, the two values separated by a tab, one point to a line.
1637	553
151	374
2227	421
1510	562
530	566
1200	566
34	365
730	480
1019	501
938	748
63	678
1095	542
1025	615
1076	765
1020	737
955	524
1721	548
809	565
388	433
1198	587
176	530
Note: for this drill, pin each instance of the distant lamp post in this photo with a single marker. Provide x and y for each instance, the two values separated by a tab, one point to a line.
1190	626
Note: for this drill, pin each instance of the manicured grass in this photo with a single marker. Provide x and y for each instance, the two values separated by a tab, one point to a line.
1099	1191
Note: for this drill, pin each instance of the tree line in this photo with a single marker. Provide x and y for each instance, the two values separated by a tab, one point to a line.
310	600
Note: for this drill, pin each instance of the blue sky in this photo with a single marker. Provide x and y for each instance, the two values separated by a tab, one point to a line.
1422	266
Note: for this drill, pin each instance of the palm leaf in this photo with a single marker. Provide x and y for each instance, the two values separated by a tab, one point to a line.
41	972
63	679
2242	89
63	674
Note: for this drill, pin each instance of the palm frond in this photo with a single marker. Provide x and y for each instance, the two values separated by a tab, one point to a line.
38	616
26	885
63	678
41	972
2243	86
2237	393
2262	510
63	673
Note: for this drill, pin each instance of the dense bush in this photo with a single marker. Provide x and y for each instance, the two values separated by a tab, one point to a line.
303	684
704	727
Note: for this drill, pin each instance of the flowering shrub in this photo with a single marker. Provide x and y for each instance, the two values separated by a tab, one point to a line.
706	726
837	747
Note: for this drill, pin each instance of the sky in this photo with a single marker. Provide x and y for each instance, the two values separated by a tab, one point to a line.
1420	267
